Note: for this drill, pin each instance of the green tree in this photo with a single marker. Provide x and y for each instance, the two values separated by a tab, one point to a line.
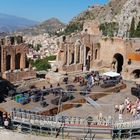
109	29
43	64
30	45
132	28
137	31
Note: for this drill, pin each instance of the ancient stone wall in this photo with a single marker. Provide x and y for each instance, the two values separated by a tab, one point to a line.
111	46
88	50
13	59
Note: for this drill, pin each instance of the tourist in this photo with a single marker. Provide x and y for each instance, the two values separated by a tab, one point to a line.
100	117
126	101
121	108
137	101
90	82
6	123
129	106
81	81
116	108
133	111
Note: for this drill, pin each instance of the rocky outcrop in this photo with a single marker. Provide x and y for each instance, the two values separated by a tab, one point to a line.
130	9
116	11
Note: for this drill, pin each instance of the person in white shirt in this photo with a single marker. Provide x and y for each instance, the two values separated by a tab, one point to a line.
6	123
126	101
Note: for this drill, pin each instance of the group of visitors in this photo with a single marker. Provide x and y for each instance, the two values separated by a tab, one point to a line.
132	108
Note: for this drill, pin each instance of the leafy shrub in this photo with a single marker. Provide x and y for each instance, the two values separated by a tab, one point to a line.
43	64
109	29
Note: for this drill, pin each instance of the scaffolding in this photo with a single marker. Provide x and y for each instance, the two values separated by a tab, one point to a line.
30	122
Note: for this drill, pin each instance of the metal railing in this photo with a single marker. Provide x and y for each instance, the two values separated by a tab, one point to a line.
54	121
31	122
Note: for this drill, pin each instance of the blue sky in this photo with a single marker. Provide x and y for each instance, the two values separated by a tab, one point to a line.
41	10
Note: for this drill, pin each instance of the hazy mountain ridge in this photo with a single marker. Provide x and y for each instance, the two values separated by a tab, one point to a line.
49	26
9	23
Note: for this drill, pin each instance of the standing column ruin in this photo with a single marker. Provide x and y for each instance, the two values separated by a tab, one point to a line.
75	55
13	61
84	58
68	55
22	61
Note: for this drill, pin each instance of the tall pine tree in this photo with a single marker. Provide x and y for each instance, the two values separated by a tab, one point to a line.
132	28
137	32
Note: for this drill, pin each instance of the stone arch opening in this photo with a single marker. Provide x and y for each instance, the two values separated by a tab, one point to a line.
27	61
136	73
17	60
88	58
78	54
64	38
96	53
118	61
8	62
72	57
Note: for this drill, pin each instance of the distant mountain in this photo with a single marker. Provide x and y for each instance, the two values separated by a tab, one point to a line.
9	23
49	26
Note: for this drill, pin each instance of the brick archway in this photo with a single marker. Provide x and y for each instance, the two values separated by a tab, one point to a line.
136	73
8	62
17	60
88	58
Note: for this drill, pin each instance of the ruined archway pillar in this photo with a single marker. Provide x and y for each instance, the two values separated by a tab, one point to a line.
81	48
65	55
78	58
3	60
75	55
68	55
22	61
84	58
12	62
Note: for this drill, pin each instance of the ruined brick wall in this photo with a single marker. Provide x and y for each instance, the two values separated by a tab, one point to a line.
13	58
102	51
111	46
19	75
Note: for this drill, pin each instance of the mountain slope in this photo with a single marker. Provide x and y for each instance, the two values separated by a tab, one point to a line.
103	13
48	26
9	23
117	12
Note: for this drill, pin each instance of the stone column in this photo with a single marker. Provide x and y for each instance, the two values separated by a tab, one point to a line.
22	61
78	54
3	60
75	55
12	62
84	58
65	55
81	48
68	55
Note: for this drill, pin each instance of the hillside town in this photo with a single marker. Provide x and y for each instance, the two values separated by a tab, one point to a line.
41	46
